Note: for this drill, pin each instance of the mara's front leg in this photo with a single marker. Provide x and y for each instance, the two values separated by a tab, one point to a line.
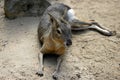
40	58
56	72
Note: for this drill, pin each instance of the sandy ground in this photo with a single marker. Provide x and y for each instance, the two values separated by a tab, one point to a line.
91	57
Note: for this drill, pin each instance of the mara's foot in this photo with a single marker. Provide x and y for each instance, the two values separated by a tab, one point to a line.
40	73
55	76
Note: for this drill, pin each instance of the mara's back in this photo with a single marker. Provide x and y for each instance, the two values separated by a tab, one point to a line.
57	10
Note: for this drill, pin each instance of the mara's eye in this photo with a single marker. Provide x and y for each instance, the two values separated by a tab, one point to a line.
59	31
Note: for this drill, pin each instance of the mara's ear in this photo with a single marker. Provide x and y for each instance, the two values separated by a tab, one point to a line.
63	16
53	21
64	13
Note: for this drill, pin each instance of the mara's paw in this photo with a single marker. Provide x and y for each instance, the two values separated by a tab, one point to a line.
55	76
113	33
109	33
40	73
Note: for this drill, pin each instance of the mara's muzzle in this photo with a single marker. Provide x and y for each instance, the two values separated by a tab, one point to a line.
69	42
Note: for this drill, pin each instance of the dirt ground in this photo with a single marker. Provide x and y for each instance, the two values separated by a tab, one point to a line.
91	57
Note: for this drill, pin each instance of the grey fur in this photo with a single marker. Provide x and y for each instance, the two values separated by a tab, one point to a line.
58	15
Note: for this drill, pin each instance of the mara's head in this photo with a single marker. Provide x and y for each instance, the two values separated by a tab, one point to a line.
61	30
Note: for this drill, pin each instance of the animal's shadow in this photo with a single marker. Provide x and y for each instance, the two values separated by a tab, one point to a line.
50	60
78	32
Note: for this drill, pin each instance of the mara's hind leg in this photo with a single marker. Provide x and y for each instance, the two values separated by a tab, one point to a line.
40	71
56	72
79	25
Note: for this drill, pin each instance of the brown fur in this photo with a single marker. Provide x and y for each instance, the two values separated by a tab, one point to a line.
53	45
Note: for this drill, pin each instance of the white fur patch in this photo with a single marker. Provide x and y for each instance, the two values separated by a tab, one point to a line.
98	28
71	14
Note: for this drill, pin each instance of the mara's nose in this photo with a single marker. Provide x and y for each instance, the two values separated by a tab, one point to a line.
69	42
